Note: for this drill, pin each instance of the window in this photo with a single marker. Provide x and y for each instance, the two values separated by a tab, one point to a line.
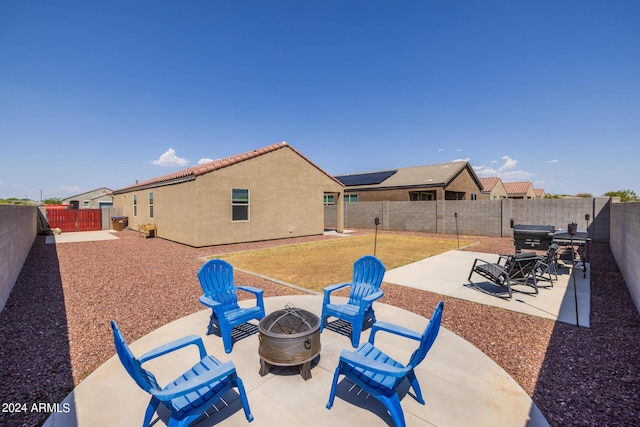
86	203
135	205
329	199
239	204
150	205
418	196
474	196
350	198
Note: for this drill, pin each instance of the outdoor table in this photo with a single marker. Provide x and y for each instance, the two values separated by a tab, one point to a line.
580	240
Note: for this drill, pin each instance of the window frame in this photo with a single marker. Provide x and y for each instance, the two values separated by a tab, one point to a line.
237	203
151	204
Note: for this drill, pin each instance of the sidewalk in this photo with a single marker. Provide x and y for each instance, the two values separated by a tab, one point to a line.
447	274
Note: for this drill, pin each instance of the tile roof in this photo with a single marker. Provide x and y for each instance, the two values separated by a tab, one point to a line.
488	184
517	187
429	175
192	172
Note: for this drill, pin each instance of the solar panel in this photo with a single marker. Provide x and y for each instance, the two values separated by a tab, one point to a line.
365	178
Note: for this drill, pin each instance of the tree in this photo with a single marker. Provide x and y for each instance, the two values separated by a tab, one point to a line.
625	195
15	201
584	195
52	201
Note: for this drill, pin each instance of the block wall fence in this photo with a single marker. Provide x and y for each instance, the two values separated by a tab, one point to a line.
625	245
478	217
610	222
18	230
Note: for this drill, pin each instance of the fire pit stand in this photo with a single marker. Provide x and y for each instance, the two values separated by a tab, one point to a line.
289	337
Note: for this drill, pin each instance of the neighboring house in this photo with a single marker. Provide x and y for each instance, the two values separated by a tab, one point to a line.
445	181
95	199
269	193
493	188
539	192
519	190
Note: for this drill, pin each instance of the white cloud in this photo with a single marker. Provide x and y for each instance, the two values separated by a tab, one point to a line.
205	160
440	150
505	171
553	161
169	159
461	160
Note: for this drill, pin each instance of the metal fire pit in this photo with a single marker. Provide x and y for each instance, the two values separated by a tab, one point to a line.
289	337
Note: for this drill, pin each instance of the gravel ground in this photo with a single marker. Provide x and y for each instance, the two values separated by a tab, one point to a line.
54	330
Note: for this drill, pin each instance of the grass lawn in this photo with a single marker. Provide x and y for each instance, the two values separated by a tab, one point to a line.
316	265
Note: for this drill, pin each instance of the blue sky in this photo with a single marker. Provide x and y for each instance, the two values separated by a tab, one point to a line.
104	93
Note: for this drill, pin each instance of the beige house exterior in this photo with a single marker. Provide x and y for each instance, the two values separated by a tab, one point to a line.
539	192
519	190
270	193
493	189
444	181
94	199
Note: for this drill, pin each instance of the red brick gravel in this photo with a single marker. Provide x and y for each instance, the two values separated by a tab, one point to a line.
54	330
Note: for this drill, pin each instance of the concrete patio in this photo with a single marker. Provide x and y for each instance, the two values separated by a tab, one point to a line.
461	385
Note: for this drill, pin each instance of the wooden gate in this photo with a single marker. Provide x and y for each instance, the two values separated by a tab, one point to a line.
74	219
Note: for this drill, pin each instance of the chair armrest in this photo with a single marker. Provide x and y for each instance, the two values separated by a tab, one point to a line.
202	380
393	329
493	264
250	289
328	290
255	291
359	361
209	302
332	288
175	345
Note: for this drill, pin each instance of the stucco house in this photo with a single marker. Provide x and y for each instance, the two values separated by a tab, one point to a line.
539	192
94	199
444	181
519	190
492	189
269	193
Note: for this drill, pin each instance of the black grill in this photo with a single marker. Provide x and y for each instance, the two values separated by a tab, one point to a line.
532	237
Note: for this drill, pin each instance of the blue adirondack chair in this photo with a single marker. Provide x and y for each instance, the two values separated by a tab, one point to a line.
368	272
191	394
380	375
220	294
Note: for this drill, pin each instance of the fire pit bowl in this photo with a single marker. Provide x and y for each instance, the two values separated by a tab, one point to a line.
289	337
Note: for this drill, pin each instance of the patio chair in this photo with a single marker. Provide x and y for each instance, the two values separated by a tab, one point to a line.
380	375
547	266
220	294
192	393
510	270
368	272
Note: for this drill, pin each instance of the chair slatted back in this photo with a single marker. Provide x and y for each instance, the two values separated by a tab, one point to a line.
216	279
428	337
368	272
145	379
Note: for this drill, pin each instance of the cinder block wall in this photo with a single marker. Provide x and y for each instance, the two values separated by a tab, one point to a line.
625	244
478	217
18	230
